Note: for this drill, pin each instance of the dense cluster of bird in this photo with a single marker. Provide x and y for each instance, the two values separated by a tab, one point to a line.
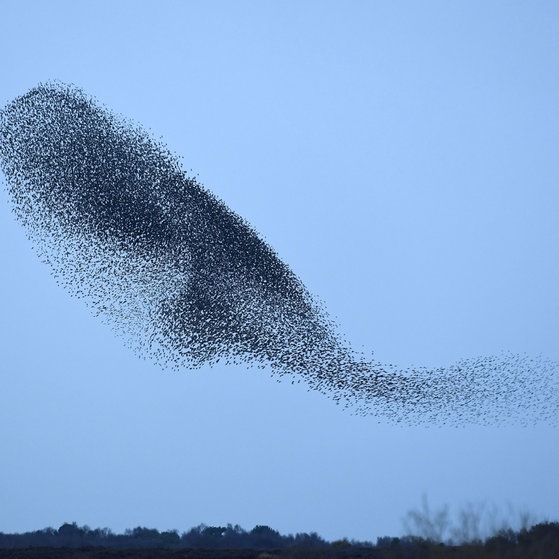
190	283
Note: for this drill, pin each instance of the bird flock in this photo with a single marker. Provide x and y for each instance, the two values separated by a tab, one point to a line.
190	283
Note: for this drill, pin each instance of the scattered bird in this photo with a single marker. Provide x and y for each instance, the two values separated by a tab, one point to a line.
190	283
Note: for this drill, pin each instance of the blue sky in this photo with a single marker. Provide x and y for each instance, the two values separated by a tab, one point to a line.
400	156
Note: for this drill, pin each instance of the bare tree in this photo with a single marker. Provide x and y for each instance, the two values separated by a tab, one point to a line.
473	523
426	523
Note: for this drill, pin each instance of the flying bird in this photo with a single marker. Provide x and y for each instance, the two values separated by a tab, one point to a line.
190	283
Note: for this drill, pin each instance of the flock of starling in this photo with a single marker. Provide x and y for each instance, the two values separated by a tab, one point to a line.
190	283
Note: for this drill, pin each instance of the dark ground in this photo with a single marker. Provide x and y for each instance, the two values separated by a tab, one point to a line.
420	552
107	553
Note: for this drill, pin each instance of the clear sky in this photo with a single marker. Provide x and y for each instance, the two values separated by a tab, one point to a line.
401	157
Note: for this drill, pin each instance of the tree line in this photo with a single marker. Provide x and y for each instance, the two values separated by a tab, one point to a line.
202	536
540	540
